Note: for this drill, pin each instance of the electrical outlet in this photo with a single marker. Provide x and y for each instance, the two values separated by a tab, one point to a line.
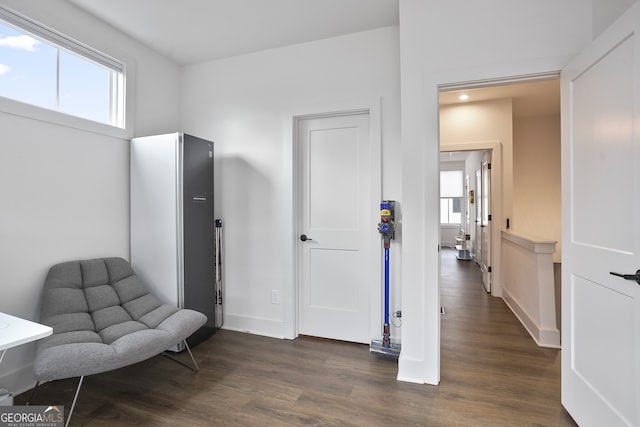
275	296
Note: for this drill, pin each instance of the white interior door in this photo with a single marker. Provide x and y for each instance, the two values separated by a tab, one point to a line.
467	207
338	261
601	228
485	224
478	238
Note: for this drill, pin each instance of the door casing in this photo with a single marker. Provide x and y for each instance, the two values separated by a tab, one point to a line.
371	106
494	149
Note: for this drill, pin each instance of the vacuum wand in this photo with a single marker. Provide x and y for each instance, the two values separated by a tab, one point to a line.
387	229
386	336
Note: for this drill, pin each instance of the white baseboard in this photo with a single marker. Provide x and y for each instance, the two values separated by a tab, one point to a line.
544	337
257	326
412	371
18	380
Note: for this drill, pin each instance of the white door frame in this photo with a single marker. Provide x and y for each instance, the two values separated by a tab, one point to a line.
495	193
372	107
420	358
497	183
468	79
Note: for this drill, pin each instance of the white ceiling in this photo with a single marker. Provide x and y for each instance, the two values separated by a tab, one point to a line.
193	31
530	99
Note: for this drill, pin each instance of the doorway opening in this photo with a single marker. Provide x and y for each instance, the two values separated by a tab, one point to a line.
465	201
518	122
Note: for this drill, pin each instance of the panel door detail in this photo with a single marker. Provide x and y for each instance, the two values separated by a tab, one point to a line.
601	229
335	277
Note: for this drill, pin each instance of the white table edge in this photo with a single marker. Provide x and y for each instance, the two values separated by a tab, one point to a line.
34	331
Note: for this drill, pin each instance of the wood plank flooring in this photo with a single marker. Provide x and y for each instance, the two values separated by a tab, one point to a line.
492	374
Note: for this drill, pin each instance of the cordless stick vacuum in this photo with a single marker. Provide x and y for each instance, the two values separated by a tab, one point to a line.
387	229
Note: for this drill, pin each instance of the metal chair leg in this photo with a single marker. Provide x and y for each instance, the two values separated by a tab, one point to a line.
195	364
194	368
32	393
75	398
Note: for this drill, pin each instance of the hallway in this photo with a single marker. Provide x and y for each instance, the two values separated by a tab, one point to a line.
488	360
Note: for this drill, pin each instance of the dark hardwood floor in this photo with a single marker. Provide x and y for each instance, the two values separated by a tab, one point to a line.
492	374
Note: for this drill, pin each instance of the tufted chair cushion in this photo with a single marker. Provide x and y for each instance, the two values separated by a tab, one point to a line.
103	318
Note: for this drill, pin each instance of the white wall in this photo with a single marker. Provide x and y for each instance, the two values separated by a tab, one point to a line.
529	288
65	189
605	12
536	178
245	105
450	42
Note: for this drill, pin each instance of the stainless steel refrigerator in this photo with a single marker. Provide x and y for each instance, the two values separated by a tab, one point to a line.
172	222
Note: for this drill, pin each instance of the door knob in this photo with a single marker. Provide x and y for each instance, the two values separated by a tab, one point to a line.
304	237
635	276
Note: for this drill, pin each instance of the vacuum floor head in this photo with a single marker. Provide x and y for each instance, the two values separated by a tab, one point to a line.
377	347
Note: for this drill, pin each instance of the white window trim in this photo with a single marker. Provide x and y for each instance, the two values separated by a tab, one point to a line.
23	22
124	120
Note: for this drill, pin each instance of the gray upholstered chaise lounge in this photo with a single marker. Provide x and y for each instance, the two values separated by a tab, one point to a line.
103	318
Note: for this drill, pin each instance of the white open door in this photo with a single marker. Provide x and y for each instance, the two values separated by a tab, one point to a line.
478	238
601	228
485	223
339	246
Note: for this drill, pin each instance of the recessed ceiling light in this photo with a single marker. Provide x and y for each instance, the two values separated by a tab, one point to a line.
463	97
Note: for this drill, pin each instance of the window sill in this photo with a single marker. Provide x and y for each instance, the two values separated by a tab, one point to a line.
17	108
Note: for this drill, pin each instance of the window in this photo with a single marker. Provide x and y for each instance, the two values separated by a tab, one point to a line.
451	193
42	67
